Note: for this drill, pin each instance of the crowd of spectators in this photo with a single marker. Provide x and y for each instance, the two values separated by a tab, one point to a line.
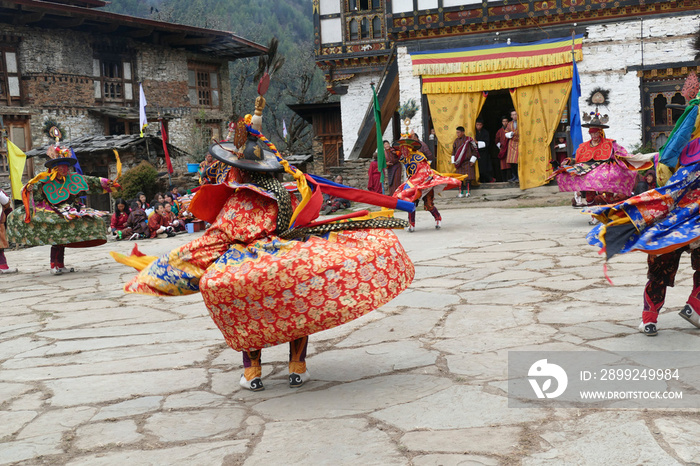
164	216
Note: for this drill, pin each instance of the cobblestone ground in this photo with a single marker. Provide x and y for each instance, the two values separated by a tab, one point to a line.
91	376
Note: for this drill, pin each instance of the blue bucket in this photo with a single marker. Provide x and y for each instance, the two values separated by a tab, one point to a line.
192	167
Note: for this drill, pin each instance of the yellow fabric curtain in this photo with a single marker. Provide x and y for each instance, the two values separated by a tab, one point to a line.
449	111
540	109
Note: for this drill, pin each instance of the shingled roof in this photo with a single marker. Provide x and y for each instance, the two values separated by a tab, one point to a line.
98	144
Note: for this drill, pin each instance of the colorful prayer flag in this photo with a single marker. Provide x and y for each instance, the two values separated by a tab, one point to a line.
381	157
164	136
17	159
575	118
143	122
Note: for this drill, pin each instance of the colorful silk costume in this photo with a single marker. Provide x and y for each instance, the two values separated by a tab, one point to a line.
262	290
421	178
656	221
54	214
664	222
213	173
423	182
606	167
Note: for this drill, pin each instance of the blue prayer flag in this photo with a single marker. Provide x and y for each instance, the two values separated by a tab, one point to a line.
77	164
576	133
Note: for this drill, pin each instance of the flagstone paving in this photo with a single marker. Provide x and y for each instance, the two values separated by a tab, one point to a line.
91	376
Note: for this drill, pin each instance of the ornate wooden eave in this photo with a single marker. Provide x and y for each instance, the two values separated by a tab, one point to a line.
508	15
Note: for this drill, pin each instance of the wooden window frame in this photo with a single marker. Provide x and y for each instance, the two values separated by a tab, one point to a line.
653	129
5	75
202	88
355	6
105	81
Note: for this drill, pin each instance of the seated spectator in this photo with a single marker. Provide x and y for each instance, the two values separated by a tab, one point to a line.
332	203
174	192
645	182
650	178
169	199
118	224
181	205
137	223
157	224
171	219
142	199
157	199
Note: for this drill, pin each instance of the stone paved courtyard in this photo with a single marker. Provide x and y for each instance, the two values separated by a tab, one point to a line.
91	376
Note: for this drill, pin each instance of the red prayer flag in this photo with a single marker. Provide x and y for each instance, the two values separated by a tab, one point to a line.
164	137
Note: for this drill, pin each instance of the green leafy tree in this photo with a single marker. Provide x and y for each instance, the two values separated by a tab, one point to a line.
142	178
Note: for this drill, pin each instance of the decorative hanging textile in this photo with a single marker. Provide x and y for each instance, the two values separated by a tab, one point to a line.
457	83
497	57
539	75
539	110
449	111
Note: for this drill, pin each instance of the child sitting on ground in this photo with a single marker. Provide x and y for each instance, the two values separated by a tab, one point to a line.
157	224
137	223
170	219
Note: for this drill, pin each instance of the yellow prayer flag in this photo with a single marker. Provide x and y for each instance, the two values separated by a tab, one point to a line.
17	159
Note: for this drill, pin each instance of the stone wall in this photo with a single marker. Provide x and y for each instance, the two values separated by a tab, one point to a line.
354	173
57	73
56	52
316	167
609	49
50	90
76	122
161	64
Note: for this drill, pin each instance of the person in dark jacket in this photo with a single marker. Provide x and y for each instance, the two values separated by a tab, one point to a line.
137	222
485	163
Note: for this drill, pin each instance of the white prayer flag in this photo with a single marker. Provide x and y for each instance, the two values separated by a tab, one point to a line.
142	109
284	129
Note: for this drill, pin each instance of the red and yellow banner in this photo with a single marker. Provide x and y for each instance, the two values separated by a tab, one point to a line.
497	57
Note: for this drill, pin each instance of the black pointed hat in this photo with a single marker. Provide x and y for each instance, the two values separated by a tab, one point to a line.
254	156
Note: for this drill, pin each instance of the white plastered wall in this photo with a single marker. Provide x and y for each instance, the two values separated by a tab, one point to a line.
610	49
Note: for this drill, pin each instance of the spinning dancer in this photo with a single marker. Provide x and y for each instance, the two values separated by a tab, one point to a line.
267	274
603	171
423	182
52	212
663	222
